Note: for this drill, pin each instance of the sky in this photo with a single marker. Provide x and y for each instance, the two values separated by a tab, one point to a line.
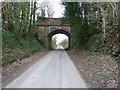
56	7
58	12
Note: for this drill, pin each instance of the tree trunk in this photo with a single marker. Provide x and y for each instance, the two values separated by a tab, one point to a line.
104	26
119	15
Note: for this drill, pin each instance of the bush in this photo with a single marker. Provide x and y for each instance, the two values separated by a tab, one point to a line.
93	43
31	44
9	39
17	49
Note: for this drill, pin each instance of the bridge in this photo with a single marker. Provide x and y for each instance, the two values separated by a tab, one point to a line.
48	27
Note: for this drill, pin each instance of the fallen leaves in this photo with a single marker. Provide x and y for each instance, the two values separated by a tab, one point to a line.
98	70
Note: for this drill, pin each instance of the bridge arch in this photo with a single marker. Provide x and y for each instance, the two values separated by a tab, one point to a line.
58	31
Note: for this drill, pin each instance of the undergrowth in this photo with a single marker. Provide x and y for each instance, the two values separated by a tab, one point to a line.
13	49
93	43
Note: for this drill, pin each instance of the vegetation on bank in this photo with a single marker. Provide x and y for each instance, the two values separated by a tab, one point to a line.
14	49
91	26
19	30
94	26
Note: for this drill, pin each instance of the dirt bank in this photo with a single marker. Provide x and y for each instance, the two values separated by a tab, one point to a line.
99	71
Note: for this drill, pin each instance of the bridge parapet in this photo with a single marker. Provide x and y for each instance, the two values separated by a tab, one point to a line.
53	28
48	25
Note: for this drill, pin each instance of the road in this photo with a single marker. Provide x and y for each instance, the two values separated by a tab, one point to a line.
54	70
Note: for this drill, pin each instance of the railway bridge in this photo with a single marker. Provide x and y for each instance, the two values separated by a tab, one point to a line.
48	27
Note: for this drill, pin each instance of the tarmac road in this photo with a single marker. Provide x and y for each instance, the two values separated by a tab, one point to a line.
54	70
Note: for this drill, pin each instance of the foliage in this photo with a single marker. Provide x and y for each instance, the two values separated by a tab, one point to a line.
30	43
19	29
64	43
93	43
90	20
54	40
45	10
8	39
14	49
19	17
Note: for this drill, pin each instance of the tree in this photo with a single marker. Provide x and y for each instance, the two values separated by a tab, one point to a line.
20	18
89	19
54	40
45	9
118	12
64	43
